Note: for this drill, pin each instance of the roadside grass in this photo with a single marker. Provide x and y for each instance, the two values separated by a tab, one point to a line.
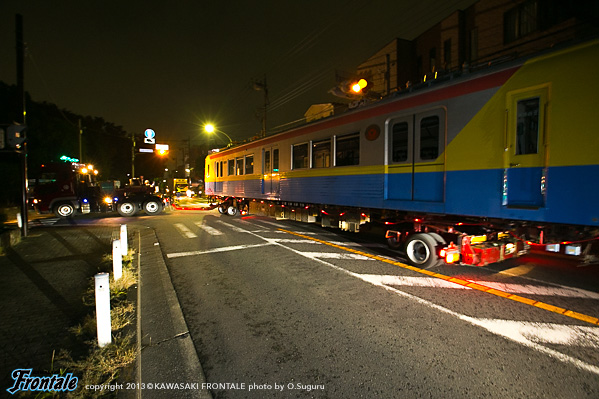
102	366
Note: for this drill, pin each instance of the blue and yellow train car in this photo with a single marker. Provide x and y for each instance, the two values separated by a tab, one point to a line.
516	143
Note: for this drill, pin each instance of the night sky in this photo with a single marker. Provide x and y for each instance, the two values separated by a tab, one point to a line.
174	65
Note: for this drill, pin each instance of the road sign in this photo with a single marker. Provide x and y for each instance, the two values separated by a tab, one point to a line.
150	137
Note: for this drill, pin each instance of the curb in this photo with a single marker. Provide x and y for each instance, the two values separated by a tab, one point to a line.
166	353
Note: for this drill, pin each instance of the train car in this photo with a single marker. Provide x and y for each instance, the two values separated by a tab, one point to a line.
472	167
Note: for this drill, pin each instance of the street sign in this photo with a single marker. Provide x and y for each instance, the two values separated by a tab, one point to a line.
150	137
146	150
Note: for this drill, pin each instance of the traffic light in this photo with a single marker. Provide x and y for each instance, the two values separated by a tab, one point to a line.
16	136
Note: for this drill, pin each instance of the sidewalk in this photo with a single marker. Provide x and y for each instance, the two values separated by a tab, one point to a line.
43	280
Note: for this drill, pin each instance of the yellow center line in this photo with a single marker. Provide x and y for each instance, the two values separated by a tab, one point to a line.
465	283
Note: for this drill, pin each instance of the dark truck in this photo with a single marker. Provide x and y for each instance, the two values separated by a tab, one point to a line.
69	188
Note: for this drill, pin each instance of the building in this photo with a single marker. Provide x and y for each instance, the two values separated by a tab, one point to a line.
488	32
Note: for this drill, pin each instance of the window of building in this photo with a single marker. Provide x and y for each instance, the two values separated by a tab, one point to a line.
447	54
429	138
521	21
321	154
433	59
527	128
347	150
231	167
399	143
249	164
473	45
239	166
300	156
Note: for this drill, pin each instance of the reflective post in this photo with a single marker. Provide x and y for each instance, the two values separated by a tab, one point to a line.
103	309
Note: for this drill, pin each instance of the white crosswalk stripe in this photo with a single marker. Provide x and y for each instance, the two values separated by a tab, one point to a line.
208	229
184	230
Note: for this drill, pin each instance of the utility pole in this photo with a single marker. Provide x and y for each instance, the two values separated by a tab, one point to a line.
262	86
80	138
23	109
132	155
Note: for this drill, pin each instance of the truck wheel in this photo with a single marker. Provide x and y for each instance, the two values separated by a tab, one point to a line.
127	208
221	209
153	207
232	211
64	210
421	250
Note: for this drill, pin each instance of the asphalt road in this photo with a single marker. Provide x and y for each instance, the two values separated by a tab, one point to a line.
276	314
279	309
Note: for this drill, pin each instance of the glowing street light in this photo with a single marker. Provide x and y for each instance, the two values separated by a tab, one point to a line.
209	128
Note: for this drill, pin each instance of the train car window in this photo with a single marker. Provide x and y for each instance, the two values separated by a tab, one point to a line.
399	144
231	167
249	164
275	160
216	169
221	168
207	170
239	166
321	154
266	161
300	156
527	130
347	150
429	138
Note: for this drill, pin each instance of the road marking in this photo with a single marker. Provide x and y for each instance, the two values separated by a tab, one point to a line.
466	283
529	289
184	231
334	255
208	229
215	250
232	227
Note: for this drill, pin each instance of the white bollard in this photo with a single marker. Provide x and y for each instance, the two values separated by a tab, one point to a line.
124	243
117	260
103	309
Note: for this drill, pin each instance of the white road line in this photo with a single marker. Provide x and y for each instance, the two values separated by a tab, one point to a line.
295	241
527	289
232	227
215	250
549	333
184	231
208	229
333	255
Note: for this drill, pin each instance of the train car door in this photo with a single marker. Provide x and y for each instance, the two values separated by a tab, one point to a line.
415	161
270	171
524	153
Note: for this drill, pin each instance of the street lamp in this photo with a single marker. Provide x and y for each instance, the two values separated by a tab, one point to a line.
209	128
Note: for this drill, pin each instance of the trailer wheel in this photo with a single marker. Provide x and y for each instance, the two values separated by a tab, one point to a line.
221	209
153	207
127	208
232	211
64	210
421	250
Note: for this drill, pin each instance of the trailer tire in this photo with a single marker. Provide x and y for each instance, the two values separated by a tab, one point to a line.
127	208
153	206
64	210
421	250
232	211
221	209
